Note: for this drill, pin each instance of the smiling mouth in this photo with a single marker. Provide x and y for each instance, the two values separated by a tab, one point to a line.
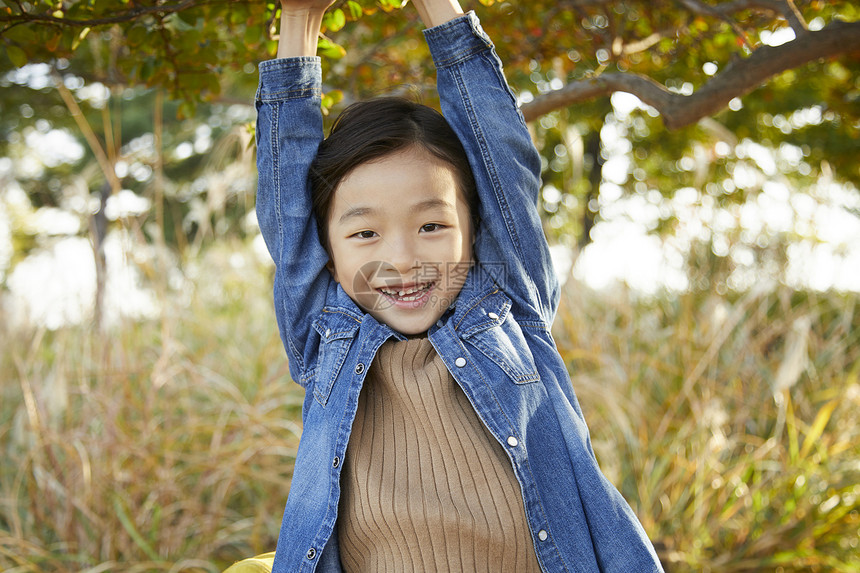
408	294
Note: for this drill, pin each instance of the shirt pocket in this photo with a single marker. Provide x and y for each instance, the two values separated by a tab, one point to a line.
496	334
337	332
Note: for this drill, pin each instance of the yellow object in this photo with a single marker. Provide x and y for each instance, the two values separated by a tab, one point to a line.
259	564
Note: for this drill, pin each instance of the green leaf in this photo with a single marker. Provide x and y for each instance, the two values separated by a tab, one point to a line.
136	36
186	109
389	5
238	14
334	20
251	35
355	9
187	18
80	38
336	96
330	99
176	22
147	68
271	48
17	56
330	50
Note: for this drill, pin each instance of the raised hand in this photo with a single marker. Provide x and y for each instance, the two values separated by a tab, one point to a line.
435	12
300	26
307	5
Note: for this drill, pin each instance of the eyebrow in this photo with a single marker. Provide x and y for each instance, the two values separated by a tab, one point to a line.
429	204
360	212
355	212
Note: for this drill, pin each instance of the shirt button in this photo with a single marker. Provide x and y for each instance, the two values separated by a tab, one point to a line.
493	315
359	368
542	535
460	362
335	462
513	442
311	553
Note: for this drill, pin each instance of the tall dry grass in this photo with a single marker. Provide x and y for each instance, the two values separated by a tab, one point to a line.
159	446
728	422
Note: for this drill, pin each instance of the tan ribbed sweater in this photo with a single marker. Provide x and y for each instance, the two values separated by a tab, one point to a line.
425	486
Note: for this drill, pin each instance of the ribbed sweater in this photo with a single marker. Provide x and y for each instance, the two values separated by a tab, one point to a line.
425	486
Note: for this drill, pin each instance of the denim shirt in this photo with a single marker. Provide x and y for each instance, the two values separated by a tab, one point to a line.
495	340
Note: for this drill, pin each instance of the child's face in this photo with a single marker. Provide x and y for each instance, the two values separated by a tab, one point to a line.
400	238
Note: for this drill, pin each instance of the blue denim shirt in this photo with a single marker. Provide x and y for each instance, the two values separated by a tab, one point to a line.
495	340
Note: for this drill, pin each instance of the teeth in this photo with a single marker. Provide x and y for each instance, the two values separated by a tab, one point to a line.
405	292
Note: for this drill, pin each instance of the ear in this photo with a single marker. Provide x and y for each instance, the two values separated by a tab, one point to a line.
330	268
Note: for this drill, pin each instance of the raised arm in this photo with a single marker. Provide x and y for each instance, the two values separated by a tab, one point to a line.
481	109
289	130
300	27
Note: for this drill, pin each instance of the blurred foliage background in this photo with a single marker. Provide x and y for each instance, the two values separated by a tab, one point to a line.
153	428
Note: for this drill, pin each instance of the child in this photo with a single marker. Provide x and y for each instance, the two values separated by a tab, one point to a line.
414	294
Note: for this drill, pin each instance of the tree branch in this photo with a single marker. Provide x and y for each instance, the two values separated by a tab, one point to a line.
784	7
29	17
725	10
735	80
698	7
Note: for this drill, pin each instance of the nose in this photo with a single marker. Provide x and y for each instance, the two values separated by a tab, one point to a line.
402	254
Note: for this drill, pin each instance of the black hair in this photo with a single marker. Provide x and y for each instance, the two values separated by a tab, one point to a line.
372	129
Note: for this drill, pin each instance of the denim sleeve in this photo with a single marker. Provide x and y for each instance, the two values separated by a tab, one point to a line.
289	130
479	105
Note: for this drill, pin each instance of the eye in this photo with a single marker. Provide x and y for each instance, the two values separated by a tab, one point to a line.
430	227
364	234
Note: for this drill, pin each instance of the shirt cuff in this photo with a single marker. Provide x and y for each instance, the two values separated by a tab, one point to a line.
290	78
456	40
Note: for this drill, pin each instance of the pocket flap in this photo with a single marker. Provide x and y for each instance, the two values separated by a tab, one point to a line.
491	310
337	330
336	324
490	327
